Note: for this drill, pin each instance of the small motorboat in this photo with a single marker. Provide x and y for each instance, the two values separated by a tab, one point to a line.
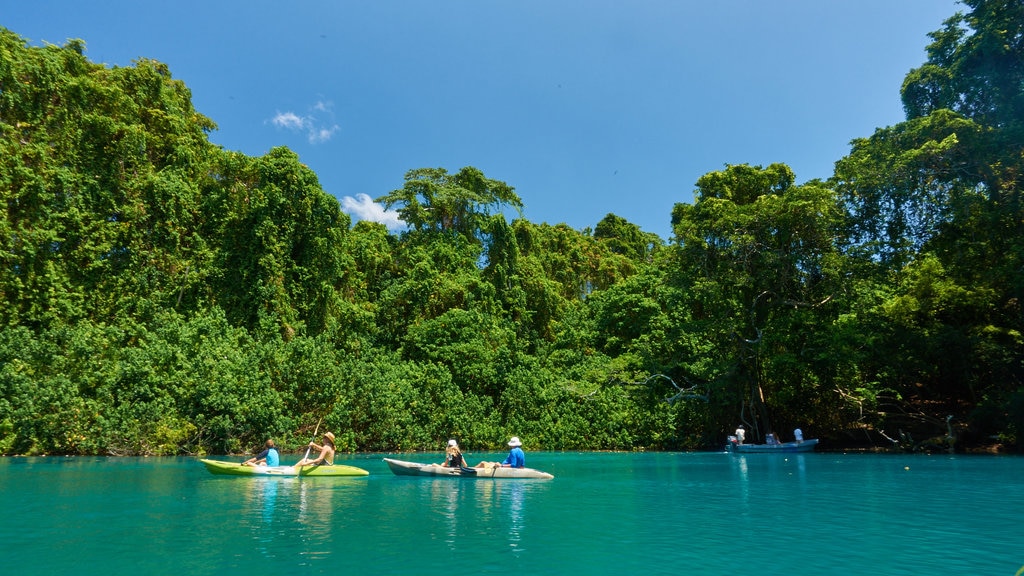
733	445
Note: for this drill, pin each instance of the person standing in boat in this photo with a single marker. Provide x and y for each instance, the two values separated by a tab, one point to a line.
326	455
453	457
740	434
516	457
268	457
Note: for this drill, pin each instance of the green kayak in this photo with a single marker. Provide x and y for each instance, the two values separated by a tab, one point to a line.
235	469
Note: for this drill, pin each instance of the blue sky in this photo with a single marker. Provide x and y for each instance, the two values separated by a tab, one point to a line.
584	107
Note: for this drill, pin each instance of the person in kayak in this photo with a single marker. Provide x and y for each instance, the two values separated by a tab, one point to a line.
326	452
268	457
453	457
515	459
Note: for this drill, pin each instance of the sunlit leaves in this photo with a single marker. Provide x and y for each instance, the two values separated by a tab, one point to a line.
433	199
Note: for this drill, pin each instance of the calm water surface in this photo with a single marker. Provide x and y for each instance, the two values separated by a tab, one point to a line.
664	513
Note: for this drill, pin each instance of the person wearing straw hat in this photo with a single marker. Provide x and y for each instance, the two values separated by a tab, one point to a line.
326	452
453	457
515	459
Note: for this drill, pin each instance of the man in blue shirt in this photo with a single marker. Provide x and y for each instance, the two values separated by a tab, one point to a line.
268	457
516	458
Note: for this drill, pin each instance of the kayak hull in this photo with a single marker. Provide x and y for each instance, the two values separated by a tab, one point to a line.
783	448
223	468
403	468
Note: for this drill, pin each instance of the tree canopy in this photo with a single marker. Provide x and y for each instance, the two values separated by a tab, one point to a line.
161	295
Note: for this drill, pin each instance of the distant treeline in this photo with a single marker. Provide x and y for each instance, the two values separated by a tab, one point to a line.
161	295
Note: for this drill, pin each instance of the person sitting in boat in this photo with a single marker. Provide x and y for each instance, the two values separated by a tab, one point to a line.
799	435
771	439
326	452
515	459
453	457
268	457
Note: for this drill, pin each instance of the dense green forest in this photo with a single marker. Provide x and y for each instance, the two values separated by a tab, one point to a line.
162	295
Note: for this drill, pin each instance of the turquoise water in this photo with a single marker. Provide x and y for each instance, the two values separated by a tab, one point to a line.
661	513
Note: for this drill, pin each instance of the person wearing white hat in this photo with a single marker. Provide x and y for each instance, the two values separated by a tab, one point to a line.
453	457
515	459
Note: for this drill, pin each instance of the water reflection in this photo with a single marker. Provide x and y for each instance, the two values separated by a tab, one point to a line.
449	496
293	520
771	466
268	500
503	504
314	517
515	513
604	514
265	500
474	509
739	464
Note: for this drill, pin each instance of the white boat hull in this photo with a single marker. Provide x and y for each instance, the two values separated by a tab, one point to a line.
403	468
784	448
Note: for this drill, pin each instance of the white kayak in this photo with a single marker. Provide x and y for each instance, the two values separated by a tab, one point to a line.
403	468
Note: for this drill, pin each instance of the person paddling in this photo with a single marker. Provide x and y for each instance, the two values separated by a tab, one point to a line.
326	455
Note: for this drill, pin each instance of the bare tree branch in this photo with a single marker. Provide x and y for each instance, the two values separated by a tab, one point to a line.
683	393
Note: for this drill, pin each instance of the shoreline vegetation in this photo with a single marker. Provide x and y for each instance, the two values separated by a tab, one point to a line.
976	450
160	295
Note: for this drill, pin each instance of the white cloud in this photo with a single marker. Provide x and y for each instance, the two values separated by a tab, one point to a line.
317	131
364	208
289	121
318	135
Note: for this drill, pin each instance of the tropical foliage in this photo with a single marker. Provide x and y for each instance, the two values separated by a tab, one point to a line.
161	295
